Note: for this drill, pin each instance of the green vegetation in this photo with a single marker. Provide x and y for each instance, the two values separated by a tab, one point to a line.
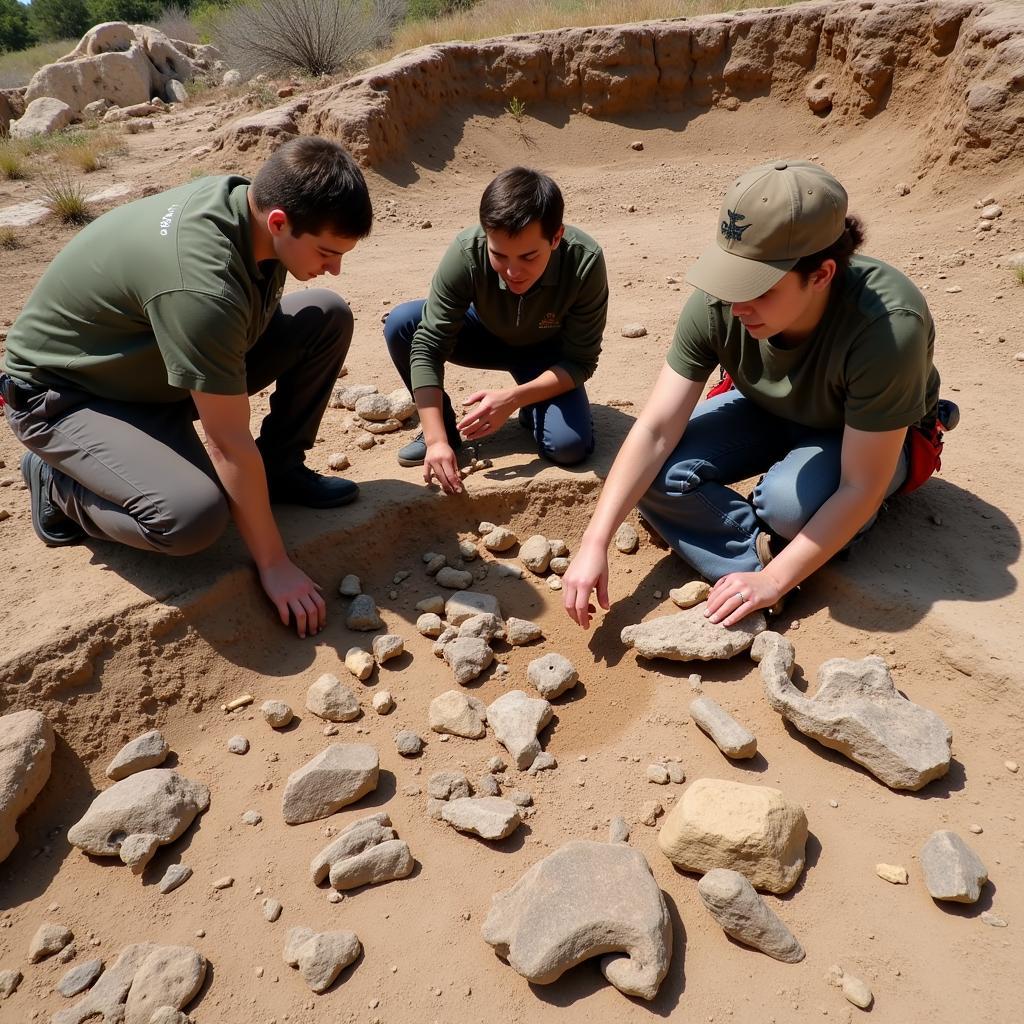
13	165
1018	273
15	30
65	198
517	108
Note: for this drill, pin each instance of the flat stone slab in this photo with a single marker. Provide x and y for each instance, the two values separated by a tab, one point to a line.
858	711
489	817
458	714
78	978
336	777
751	829
689	636
157	802
26	753
468	603
744	916
516	719
24	215
952	870
168	976
585	899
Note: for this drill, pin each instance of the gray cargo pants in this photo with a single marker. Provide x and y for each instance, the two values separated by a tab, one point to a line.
138	473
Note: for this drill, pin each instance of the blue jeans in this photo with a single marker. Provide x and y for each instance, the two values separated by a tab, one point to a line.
562	426
729	438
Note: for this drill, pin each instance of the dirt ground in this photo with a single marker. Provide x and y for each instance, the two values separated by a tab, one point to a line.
109	643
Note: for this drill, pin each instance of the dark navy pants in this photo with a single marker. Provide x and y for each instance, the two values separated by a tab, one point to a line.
562	426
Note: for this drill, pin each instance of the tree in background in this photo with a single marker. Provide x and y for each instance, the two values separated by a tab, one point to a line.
59	19
132	11
15	30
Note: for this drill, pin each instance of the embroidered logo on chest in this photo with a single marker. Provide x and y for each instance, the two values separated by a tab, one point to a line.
549	321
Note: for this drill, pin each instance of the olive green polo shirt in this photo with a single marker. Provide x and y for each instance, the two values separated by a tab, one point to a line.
868	364
154	299
568	306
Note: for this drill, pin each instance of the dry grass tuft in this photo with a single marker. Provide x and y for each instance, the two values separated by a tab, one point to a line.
9	239
65	198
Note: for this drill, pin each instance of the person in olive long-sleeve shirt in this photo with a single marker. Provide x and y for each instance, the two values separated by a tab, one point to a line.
522	292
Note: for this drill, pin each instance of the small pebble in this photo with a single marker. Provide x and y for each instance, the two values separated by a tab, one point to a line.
833	803
976	829
658	774
993	920
554	583
335	897
1011	766
252	818
271	910
238	745
224	883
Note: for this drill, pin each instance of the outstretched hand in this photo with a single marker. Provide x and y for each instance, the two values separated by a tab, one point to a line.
587	572
735	596
493	409
295	596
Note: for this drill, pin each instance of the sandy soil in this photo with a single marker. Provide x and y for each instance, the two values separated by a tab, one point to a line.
109	643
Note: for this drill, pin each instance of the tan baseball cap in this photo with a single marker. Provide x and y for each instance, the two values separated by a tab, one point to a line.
771	217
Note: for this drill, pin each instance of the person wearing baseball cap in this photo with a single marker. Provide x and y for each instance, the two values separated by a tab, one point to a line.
828	395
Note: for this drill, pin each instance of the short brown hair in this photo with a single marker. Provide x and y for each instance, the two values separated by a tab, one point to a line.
840	250
318	185
519	196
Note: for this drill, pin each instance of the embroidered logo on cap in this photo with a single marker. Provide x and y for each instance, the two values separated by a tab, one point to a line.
733	230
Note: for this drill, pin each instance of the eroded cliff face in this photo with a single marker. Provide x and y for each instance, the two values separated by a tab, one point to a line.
955	69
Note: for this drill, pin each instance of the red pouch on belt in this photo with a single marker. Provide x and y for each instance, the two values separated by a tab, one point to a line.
924	453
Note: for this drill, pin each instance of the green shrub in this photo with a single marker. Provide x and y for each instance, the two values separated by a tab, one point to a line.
65	199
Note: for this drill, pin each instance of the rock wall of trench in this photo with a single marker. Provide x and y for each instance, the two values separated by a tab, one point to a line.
955	67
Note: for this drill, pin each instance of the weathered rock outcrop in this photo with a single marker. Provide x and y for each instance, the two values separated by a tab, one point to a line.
953	64
26	750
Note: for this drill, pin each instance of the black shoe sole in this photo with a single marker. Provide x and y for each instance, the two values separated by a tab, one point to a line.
31	473
344	499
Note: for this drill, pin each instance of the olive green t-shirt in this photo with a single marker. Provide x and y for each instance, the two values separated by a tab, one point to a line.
868	364
568	306
154	299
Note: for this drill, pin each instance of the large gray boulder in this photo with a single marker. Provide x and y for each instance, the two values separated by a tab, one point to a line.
689	636
744	916
336	777
585	899
43	116
26	751
153	807
859	712
516	719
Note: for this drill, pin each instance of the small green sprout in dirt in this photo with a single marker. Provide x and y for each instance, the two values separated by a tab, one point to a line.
9	239
65	199
517	108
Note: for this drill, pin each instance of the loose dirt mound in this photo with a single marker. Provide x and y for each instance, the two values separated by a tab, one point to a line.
956	69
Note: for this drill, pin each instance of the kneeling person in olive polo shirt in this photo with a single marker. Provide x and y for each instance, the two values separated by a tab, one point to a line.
521	292
170	307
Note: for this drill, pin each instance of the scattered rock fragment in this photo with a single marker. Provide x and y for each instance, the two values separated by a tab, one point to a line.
690	594
487	816
146	751
138	850
332	701
106	998
500	538
894	873
276	713
383	862
731	738
271	910
238	745
855	990
383	702
168	976
543	762
9	982
627	540
454	579
360	663
535	554
658	774
952	870
350	586
467	657
433	605
585	899
993	920
456	713
859	712
552	675
387	646
448	785
435	564
675	773
618	831
362	614
487	785
252	818
157	802
429	624
26	751
79	978
321	957
485	626
689	636
48	939
223	883
650	812
521	631
337	776
750	829
467	550
337	462
408	743
744	916
516	719
559	566
352	840
174	876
